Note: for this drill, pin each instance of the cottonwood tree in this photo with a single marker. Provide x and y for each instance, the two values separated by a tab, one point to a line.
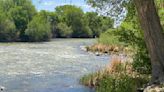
21	12
150	23
153	36
73	16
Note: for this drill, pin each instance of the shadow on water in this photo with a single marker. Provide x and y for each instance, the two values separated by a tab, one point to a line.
54	66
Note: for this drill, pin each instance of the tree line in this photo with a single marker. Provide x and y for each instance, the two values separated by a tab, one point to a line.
20	21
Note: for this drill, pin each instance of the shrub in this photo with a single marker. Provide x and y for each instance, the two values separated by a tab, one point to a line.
87	32
38	29
122	83
7	29
64	30
109	38
133	36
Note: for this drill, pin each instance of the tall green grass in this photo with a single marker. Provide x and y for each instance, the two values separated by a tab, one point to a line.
109	38
118	77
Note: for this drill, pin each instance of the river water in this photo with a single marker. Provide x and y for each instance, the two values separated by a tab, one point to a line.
54	66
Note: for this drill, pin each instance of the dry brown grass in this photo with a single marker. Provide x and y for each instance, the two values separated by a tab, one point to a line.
117	65
113	66
104	48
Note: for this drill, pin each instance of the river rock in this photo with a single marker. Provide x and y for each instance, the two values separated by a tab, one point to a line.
2	88
154	89
97	53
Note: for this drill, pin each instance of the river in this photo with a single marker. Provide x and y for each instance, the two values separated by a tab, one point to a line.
54	66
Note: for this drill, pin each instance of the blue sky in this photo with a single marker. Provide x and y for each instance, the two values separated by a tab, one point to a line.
51	4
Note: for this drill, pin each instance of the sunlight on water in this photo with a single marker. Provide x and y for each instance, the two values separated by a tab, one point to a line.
54	66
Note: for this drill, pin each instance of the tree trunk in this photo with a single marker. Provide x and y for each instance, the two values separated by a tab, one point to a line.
153	36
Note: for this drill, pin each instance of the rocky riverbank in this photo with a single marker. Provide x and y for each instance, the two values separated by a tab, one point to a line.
100	49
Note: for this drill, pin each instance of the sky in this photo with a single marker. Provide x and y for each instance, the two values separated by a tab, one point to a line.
51	4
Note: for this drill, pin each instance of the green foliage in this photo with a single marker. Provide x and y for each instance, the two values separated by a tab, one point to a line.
130	34
109	38
7	28
134	37
113	8
142	62
38	29
120	80
106	23
160	8
73	19
54	20
64	30
141	58
83	25
123	83
22	12
94	22
98	24
73	16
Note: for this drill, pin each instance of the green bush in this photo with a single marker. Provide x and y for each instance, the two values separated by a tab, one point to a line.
109	38
64	30
141	61
38	29
133	36
86	32
7	29
114	84
121	83
120	80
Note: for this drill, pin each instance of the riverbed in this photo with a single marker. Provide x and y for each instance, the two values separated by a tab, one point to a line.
54	66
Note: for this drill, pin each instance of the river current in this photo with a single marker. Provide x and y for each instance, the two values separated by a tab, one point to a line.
54	66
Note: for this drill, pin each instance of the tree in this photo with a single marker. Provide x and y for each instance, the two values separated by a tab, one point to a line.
150	23
97	23
94	23
106	23
153	36
53	19
7	28
38	29
21	12
73	16
64	30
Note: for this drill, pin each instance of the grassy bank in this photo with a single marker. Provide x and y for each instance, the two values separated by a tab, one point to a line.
118	76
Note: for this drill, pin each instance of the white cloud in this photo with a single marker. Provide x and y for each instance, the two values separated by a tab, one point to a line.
48	3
